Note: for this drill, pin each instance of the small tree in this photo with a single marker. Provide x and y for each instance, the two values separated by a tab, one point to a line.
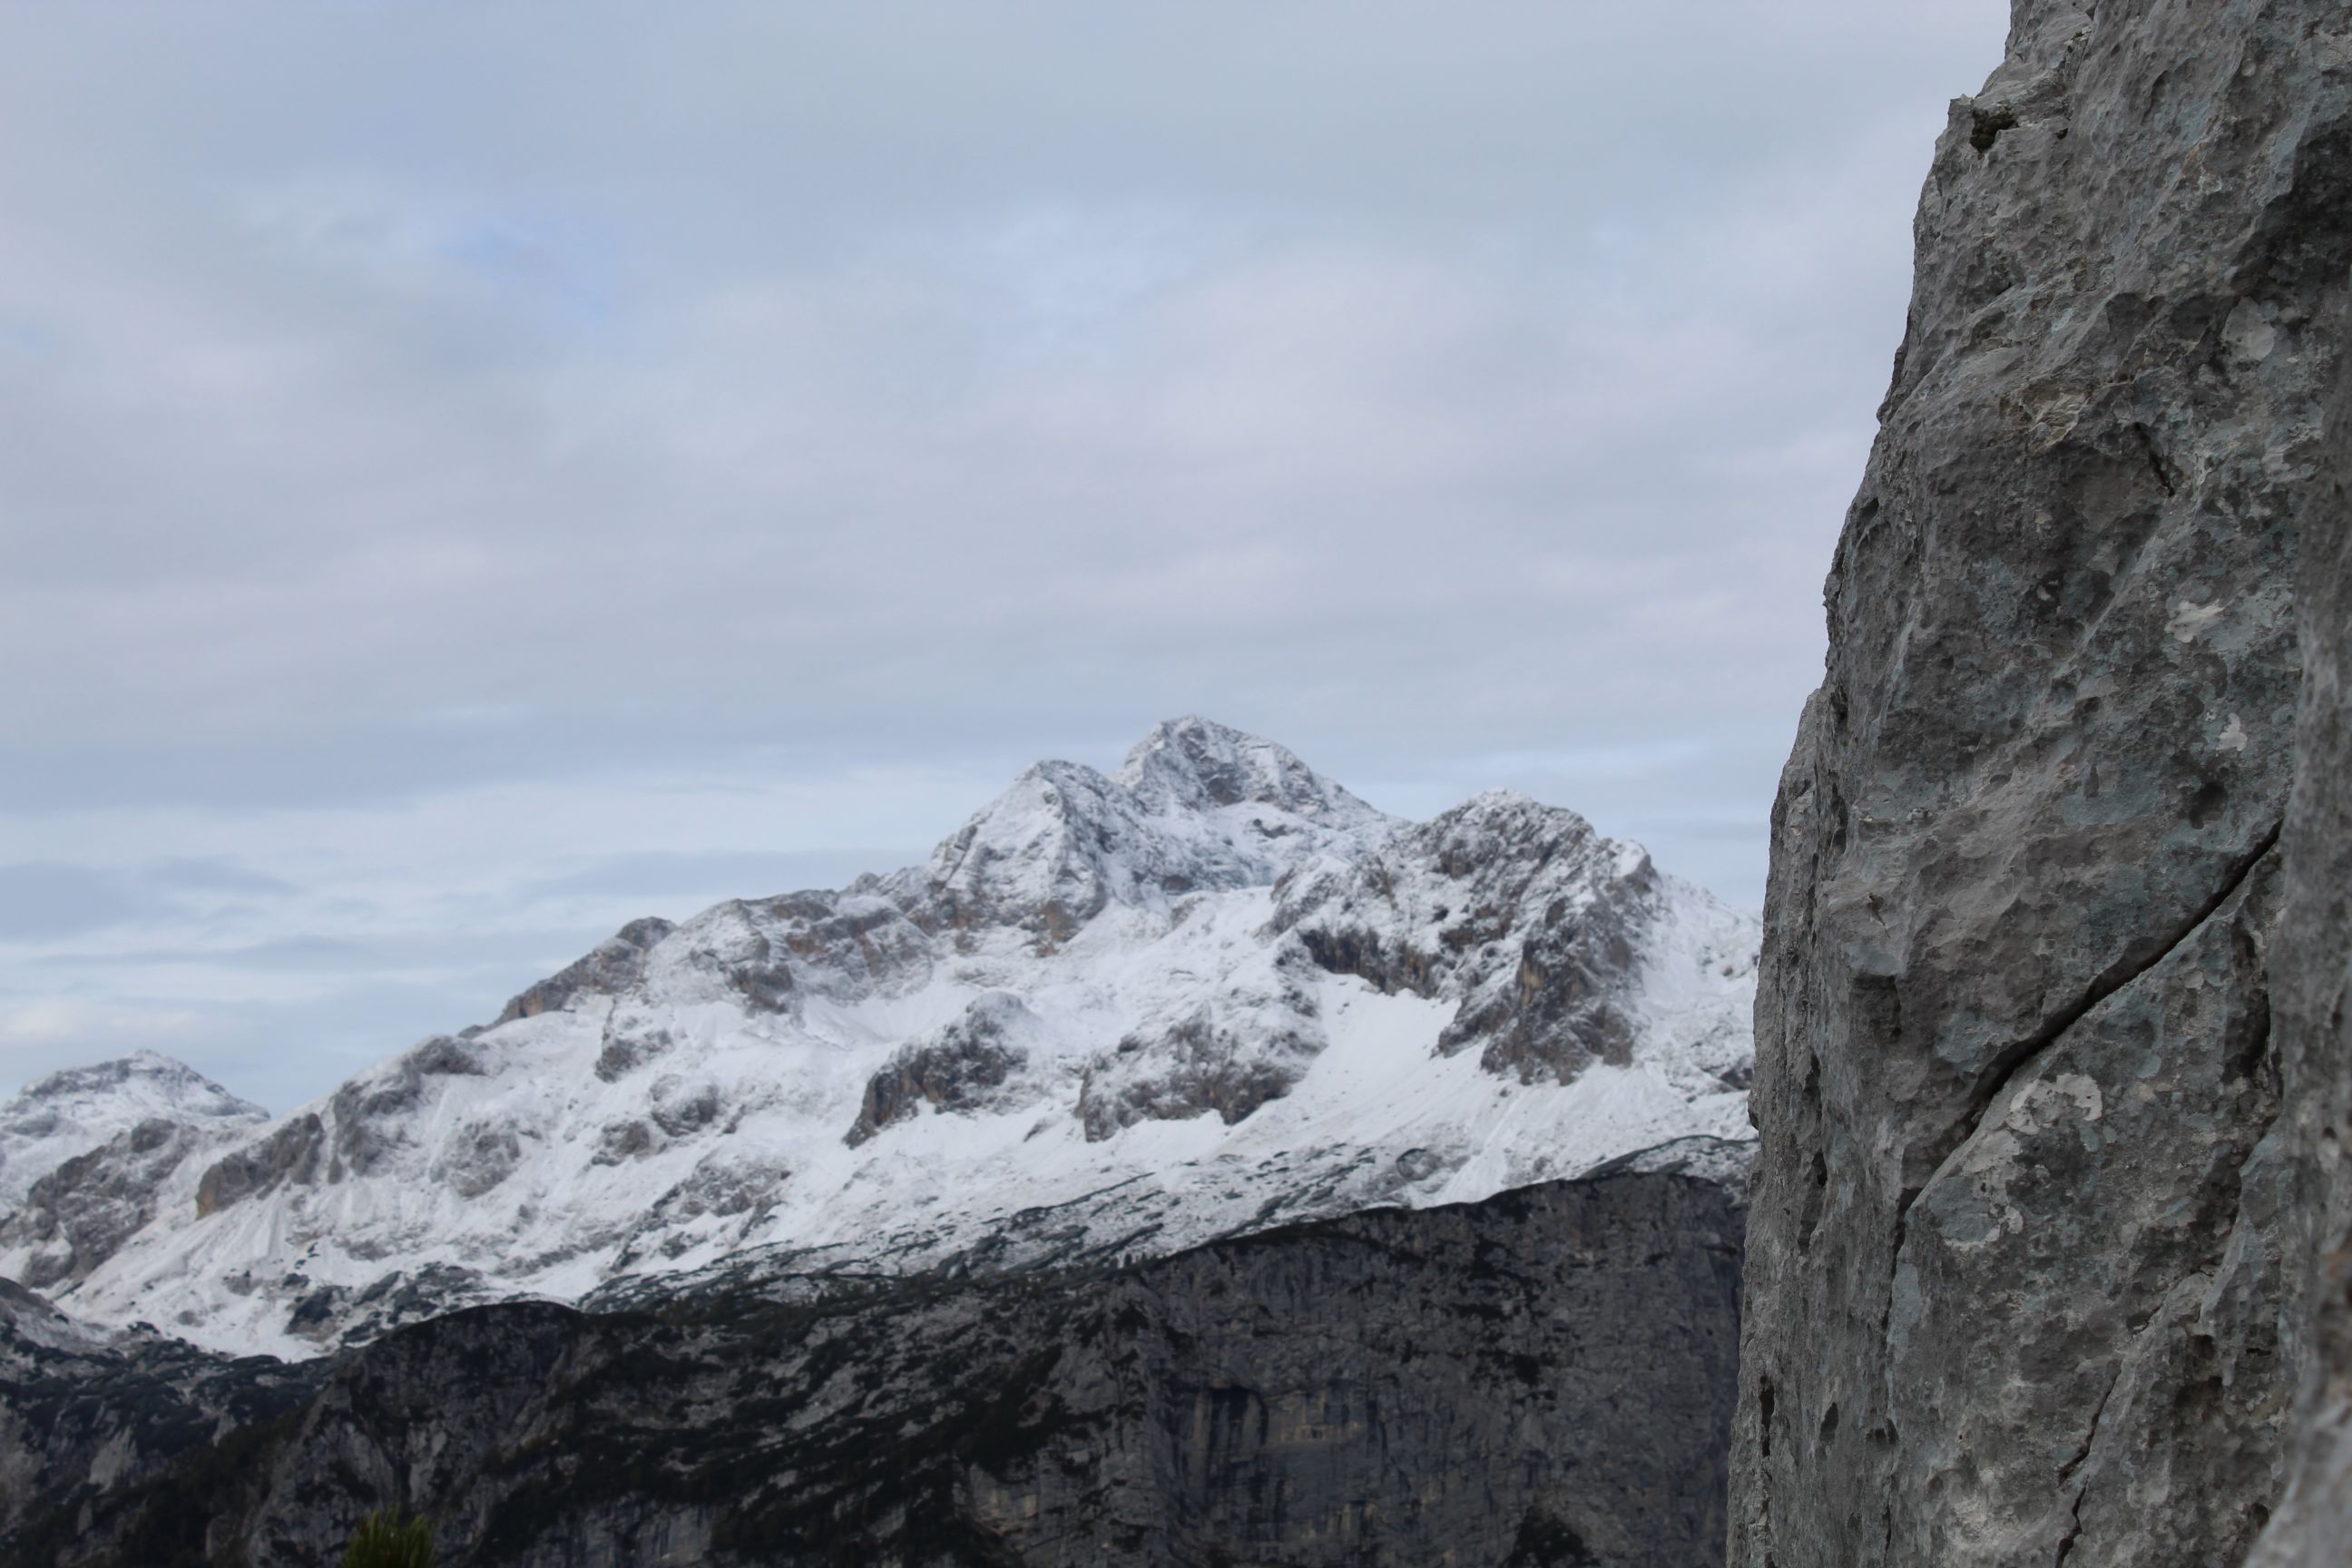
389	1539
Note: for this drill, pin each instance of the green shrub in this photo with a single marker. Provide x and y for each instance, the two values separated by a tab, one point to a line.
387	1539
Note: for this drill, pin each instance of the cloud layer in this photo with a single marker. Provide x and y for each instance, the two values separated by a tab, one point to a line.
473	474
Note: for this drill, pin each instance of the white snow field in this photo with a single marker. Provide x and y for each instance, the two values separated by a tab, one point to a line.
1111	1016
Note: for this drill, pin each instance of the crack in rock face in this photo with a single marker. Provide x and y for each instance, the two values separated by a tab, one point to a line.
2038	1063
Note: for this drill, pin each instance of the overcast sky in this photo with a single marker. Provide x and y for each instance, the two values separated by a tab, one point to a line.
474	473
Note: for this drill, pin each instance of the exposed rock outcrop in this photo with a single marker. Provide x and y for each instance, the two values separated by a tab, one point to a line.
85	1412
77	1215
1544	1378
957	1068
1520	910
293	1152
2311	979
2028	1219
1227	1057
612	966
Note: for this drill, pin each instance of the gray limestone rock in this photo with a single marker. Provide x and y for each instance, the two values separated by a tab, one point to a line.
292	1153
960	1068
1543	1378
614	965
1519	909
2313	1523
1228	1058
77	1215
2022	1238
1193	1066
84	1411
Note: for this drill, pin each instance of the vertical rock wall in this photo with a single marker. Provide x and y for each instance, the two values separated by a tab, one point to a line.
2029	1254
2314	1527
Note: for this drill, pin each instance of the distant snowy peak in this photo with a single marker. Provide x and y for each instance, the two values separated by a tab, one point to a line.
1196	807
1192	765
1542	932
141	1084
71	1113
85	1153
1113	1013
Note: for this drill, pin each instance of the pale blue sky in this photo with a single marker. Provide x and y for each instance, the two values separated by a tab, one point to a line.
471	474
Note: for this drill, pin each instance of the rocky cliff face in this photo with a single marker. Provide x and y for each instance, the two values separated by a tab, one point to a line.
85	1411
2314	1518
1541	1379
2039	1073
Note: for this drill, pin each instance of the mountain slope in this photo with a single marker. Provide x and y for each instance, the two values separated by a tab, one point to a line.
71	1113
1545	1378
1111	1015
86	1156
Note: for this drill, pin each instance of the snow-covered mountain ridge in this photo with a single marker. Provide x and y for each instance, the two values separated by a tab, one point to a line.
1112	1014
70	1113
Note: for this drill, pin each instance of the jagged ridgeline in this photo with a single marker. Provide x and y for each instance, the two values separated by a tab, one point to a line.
1112	1015
2048	1259
1188	1165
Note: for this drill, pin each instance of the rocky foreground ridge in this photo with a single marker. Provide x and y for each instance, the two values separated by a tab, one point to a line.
1543	1378
2048	1262
1113	1016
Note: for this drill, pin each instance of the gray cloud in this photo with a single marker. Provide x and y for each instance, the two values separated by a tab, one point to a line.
713	875
215	874
46	897
443	427
43	899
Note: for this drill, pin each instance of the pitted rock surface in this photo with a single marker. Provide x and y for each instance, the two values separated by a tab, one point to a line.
2314	1027
2023	1239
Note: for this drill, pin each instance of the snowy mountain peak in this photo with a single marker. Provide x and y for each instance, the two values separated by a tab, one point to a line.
1196	807
1112	1013
1190	764
148	1078
70	1113
84	1152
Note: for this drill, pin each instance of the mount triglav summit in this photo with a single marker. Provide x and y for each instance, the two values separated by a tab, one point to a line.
1111	1017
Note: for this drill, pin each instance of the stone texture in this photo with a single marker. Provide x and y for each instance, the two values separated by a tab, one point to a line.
1545	1378
2315	1519
617	964
1228	1057
291	1154
957	1067
1534	919
82	1412
2024	1240
77	1215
